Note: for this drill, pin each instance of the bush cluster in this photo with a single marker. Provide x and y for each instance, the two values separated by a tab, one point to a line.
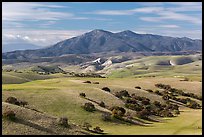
106	89
15	101
121	94
82	95
102	104
138	87
87	82
118	111
63	121
177	91
89	107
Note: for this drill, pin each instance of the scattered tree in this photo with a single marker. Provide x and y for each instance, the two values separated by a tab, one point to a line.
87	82
82	95
89	107
97	129
102	104
138	87
123	93
118	111
63	121
95	82
149	90
106	89
12	100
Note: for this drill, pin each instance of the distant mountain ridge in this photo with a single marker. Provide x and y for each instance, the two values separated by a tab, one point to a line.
18	46
99	41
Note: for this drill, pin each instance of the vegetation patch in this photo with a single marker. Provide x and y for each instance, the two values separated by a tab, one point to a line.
89	107
63	121
9	114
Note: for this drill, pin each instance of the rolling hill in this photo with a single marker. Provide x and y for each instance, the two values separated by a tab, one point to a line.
30	122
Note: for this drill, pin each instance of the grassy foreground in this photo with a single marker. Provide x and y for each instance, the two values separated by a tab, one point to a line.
60	97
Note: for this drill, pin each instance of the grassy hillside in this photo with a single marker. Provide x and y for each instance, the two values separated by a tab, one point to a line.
17	78
167	66
30	122
60	97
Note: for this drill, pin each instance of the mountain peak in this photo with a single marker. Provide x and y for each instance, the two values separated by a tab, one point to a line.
99	31
101	41
127	32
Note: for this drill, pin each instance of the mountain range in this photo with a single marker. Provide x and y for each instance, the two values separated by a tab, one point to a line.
101	41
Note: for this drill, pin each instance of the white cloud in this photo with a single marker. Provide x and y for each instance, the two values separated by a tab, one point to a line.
169	26
127	12
112	12
178	16
163	13
169	15
151	19
185	3
193	34
19	11
186	8
39	37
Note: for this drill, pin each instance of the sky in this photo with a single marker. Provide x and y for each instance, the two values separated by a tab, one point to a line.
46	23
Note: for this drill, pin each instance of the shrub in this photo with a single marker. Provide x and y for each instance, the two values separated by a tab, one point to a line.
23	103
86	126
12	100
123	93
106	117
97	129
166	113
138	98
102	104
137	87
106	89
82	95
156	91
89	107
182	100
118	111
163	86
87	82
157	103
135	107
131	100
63	121
10	115
193	104
165	97
177	112
95	82
143	114
149	90
145	102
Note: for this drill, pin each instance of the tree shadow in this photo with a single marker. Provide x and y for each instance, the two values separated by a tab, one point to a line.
33	125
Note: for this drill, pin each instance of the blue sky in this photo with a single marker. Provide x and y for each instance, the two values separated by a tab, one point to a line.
45	23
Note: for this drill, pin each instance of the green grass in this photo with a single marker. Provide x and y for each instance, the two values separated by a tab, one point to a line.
17	78
172	126
151	66
60	97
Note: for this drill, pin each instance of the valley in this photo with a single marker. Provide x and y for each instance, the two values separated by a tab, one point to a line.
54	90
102	68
